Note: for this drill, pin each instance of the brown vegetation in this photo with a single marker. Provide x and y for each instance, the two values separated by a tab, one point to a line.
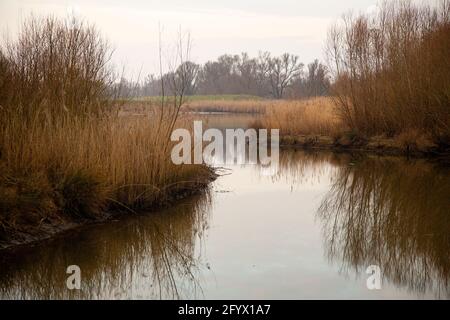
392	70
65	154
302	117
391	90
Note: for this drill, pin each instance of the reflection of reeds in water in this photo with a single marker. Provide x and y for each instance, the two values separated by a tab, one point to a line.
140	257
297	167
392	213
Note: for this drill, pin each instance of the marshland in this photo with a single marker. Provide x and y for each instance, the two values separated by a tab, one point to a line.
87	178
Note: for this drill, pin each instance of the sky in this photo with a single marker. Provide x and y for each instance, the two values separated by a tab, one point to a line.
215	27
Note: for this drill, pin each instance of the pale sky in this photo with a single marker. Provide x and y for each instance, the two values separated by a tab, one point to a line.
216	27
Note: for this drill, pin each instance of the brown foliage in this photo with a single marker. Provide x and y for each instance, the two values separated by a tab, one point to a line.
392	70
55	67
61	153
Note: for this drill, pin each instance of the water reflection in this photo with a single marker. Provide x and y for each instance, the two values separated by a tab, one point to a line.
151	256
280	236
392	213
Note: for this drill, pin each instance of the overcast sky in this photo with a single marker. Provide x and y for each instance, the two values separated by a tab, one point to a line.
216	27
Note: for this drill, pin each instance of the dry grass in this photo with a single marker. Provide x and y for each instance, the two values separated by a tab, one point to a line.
392	70
302	117
81	167
293	117
317	122
235	106
64	151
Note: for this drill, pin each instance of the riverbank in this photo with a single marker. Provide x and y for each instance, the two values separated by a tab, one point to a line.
378	145
316	124
68	155
29	233
72	171
399	203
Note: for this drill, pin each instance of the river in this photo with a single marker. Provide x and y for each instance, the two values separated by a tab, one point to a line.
309	231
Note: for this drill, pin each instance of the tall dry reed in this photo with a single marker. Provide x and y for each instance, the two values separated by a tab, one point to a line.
302	117
64	150
392	70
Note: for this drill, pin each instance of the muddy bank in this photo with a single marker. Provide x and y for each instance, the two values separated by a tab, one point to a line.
25	234
378	145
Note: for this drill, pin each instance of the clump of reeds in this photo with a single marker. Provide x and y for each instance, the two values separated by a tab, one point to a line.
64	150
301	117
392	70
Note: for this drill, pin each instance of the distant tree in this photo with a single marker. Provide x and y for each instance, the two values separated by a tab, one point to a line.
262	72
282	72
317	83
263	76
187	72
248	74
209	78
221	76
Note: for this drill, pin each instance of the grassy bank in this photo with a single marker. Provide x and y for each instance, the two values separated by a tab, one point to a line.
201	103
67	155
316	123
234	106
77	169
205	98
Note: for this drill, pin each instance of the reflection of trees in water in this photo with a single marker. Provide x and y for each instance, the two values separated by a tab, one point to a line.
389	212
149	256
395	214
386	211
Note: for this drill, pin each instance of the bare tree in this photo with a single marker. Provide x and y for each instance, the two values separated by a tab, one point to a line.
187	72
317	82
177	82
63	64
391	70
262	76
282	71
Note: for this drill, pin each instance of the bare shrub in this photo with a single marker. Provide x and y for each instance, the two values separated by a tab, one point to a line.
56	66
392	71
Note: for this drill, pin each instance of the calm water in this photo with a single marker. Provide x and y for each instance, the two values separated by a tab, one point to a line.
310	231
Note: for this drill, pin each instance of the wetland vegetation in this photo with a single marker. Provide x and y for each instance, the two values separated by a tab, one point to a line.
86	173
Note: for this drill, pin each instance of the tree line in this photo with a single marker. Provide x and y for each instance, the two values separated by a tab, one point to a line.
265	76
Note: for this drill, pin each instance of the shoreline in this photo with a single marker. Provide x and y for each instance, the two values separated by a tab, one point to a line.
52	229
375	145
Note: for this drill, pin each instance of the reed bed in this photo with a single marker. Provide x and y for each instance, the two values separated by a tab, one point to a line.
80	168
66	152
301	117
